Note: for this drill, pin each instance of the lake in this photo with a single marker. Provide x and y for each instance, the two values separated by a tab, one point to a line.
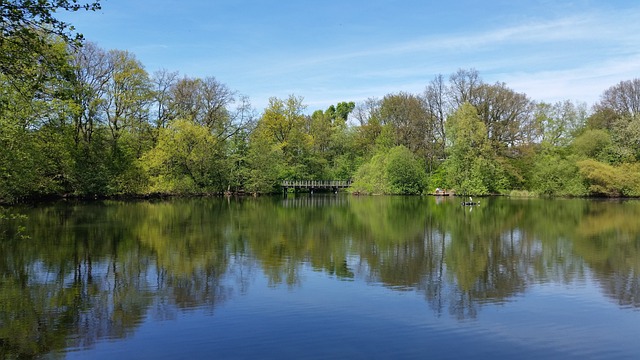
321	276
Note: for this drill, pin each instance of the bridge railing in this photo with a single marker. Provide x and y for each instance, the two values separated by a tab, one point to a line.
316	183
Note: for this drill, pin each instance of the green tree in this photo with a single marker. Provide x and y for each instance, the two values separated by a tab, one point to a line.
557	175
413	126
397	171
606	180
594	144
342	111
369	127
625	136
283	124
28	24
331	154
127	96
125	107
469	153
35	135
405	172
372	177
265	163
557	124
187	159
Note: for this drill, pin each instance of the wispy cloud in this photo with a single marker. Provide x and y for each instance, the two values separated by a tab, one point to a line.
575	28
551	57
585	83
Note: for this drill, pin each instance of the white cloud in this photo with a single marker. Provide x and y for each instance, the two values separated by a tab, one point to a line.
584	83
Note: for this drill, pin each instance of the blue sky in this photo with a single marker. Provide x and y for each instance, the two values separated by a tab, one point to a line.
329	51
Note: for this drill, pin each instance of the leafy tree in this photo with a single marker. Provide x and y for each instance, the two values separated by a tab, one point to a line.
127	96
411	123
372	177
283	119
342	110
557	124
92	170
602	118
469	152
111	94
34	133
332	152
343	154
283	125
592	144
321	130
238	150
187	159
625	136
397	171
557	175
28	24
265	163
405	172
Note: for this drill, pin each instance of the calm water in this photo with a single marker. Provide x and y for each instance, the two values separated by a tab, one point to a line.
322	277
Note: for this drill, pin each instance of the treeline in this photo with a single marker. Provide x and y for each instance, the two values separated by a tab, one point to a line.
84	121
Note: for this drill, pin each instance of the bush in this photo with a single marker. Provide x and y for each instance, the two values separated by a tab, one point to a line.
607	180
395	172
404	172
556	175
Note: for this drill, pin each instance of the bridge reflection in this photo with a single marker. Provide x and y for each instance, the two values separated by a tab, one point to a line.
307	201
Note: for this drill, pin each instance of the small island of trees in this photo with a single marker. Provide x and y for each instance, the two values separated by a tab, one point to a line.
79	120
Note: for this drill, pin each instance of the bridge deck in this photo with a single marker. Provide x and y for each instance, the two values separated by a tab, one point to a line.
316	184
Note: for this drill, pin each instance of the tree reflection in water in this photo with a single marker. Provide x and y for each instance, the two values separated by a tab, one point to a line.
94	271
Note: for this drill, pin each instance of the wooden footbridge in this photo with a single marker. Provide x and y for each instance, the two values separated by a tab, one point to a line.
311	185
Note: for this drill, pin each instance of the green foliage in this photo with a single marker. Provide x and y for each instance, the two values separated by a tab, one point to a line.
127	175
88	122
371	177
35	141
395	172
405	173
558	123
438	179
385	139
522	193
26	29
91	167
607	180
187	159
592	144
469	165
625	134
557	175
265	163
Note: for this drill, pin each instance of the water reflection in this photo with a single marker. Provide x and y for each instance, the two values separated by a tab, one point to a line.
93	271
